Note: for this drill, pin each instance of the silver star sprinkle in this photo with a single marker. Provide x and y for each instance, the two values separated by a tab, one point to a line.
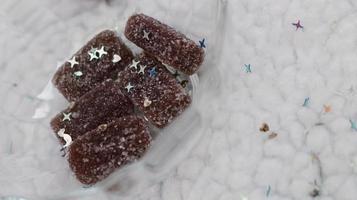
65	136
129	87
73	61
78	73
92	53
134	64
116	58
146	35
147	102
142	69
101	52
67	116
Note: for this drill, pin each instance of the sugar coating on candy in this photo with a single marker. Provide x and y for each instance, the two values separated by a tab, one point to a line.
100	59
153	90
162	41
101	105
95	155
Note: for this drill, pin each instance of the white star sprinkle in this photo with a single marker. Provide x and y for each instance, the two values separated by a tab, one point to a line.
67	116
73	61
142	69
101	52
134	64
116	58
146	35
128	87
92	54
66	137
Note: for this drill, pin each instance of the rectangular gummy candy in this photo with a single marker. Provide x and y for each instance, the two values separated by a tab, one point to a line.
153	90
100	59
96	154
101	105
162	41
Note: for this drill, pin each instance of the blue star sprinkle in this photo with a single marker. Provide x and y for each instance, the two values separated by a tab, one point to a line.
152	72
306	102
353	125
202	43
247	68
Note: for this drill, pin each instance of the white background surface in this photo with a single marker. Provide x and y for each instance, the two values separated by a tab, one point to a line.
233	160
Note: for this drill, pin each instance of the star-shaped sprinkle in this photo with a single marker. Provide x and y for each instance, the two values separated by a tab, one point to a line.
327	108
306	102
93	54
128	87
73	61
146	35
66	116
298	25
78	73
116	58
202	43
134	64
248	69
353	125
67	138
142	69
152	72
101	52
147	102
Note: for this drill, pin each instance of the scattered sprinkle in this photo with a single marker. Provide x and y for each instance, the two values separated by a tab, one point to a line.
298	25
134	64
129	87
327	108
93	54
202	43
268	191
146	35
78	73
116	58
353	125
66	116
101	52
142	69
306	102
247	68
147	102
65	136
73	61
272	135
264	127
314	193
152	72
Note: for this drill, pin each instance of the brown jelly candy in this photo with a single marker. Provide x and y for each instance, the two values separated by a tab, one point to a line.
101	105
100	59
153	90
96	154
162	41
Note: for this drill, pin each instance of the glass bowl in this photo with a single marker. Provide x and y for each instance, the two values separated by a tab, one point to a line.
31	165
